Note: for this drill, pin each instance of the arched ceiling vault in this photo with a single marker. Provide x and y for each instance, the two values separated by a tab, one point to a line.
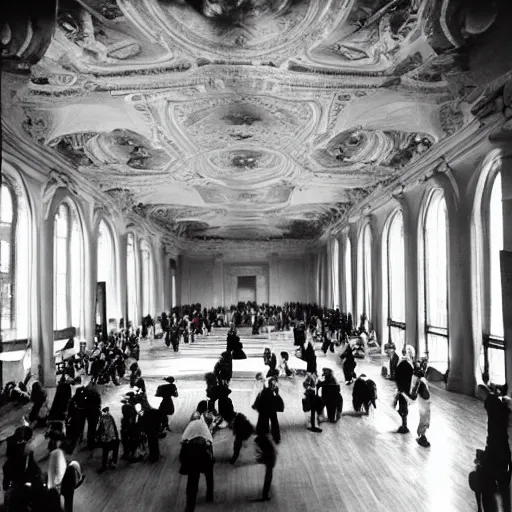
248	119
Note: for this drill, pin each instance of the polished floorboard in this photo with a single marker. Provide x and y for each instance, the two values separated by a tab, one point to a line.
359	464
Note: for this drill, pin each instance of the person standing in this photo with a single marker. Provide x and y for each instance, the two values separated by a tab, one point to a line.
268	403
108	438
331	395
196	457
92	407
166	407
151	421
310	402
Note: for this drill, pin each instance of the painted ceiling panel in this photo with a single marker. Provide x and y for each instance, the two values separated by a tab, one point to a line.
247	119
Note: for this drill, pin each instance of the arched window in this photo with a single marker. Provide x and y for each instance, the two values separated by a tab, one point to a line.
348	276
107	268
147	279
335	274
436	281
131	285
494	344
68	264
14	264
395	263
364	273
7	259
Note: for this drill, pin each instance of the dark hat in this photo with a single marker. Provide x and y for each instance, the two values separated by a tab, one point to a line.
170	380
105	409
326	370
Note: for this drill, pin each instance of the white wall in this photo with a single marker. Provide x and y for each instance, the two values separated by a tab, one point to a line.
292	280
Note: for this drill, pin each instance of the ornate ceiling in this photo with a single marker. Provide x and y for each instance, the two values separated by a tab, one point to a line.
247	119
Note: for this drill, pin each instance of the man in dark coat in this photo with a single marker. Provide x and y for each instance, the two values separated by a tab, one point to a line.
224	367
403	378
61	400
330	394
150	424
92	406
268	403
299	335
270	360
364	394
497	457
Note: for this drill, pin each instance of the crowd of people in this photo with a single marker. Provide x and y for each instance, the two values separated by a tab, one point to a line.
141	426
185	322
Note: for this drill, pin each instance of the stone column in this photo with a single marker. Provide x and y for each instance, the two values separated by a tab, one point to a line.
273	277
160	280
123	276
218	282
377	298
329	299
355	289
91	278
184	281
45	346
411	207
506	262
179	264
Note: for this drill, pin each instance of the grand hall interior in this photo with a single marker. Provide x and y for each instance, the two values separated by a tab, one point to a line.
254	255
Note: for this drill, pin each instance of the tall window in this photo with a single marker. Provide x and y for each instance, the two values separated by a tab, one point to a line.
395	262
348	276
68	269
364	271
7	259
147	278
494	337
107	268
436	282
335	274
14	264
131	285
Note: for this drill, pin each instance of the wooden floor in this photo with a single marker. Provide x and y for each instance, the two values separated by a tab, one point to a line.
357	465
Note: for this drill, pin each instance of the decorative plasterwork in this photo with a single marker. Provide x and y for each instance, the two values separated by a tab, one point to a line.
258	120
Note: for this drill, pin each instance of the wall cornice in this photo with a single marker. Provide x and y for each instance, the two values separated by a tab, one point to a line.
443	155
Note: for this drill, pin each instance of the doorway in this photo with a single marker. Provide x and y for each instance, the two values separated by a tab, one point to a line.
246	290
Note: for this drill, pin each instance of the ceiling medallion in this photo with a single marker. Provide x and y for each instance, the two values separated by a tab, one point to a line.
250	29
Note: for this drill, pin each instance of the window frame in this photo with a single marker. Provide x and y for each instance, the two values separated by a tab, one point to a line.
13	226
490	341
391	323
434	195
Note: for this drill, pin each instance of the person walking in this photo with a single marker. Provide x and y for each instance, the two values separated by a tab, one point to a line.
108	438
196	457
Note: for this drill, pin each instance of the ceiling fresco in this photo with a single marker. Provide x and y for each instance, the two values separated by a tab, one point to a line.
248	119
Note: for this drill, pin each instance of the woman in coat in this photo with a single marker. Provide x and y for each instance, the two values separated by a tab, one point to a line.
196	457
166	408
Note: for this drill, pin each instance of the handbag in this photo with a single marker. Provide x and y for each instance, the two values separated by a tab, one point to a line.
279	404
306	405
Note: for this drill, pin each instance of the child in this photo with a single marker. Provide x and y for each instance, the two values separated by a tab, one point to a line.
311	402
284	369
